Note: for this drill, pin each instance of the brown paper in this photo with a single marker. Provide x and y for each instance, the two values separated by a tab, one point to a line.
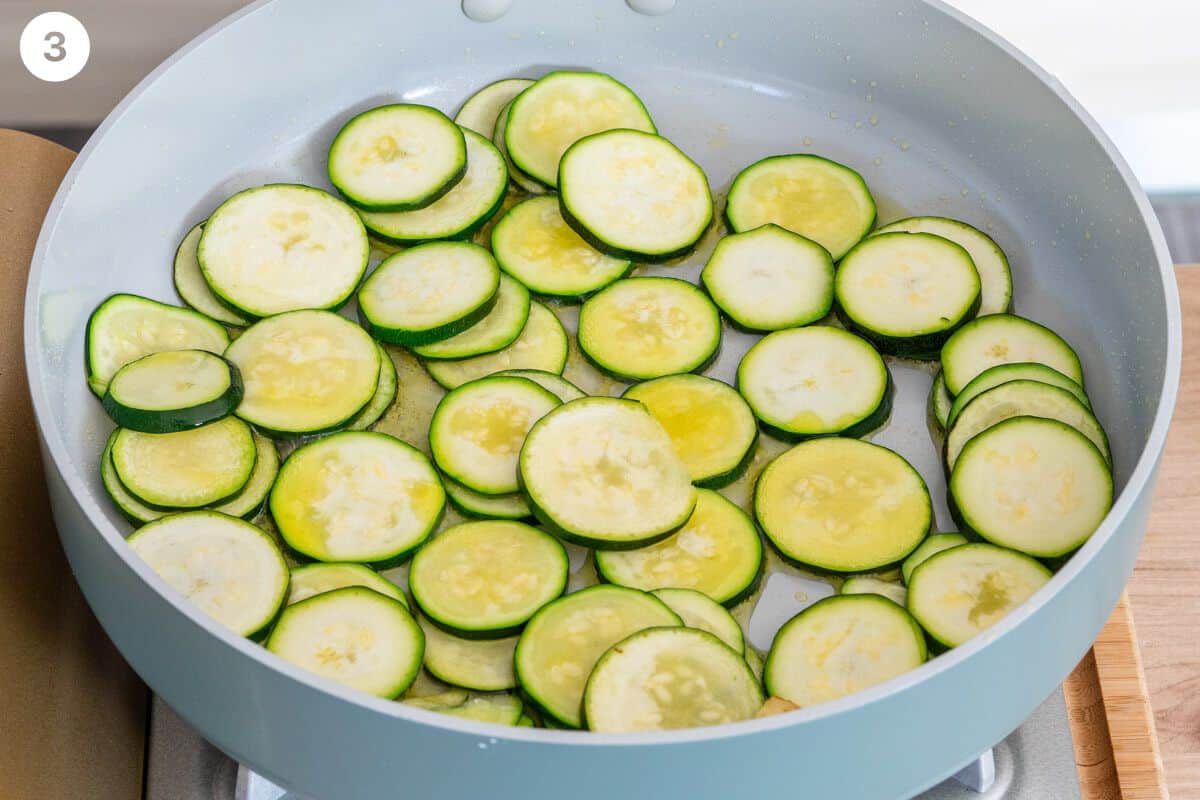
72	713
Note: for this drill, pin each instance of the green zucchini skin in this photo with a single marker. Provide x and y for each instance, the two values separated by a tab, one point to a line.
725	478
926	347
631	255
549	524
462	235
631	379
876	420
405	338
178	419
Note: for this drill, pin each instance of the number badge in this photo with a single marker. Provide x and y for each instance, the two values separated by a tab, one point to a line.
55	46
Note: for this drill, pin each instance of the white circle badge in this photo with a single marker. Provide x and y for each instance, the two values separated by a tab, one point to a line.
55	46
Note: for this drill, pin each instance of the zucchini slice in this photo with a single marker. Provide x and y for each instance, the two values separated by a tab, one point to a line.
357	496
769	278
515	173
602	472
869	584
304	372
249	501
485	579
481	110
668	678
994	273
309	580
500	328
533	243
188	469
471	503
962	591
634	195
130	507
709	423
815	381
227	567
126	327
1036	485
1023	399
354	636
283	247
940	401
842	505
1003	373
933	544
564	640
173	391
640	328
907	292
191	286
562	108
485	665
996	339
397	157
498	709
699	611
477	431
817	198
562	388
542	345
718	552
841	645
429	293
385	394
459	212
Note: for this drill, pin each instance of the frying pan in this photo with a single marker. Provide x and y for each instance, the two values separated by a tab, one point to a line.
941	117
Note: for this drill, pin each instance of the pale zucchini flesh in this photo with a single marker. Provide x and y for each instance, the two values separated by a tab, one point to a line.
309	580
173	391
498	709
385	394
191	286
485	665
699	611
1003	373
869	584
542	345
940	401
717	552
562	388
515	173
471	503
481	110
304	372
986	342
283	247
935	543
130	507
842	505
228	568
500	328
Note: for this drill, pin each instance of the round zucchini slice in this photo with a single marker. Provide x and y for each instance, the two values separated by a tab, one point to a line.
173	391
709	423
1003	373
429	293
189	469
485	579
309	580
641	328
357	496
1035	485
717	552
500	328
385	394
485	665
699	611
231	570
986	342
481	110
602	472
191	286
564	640
769	278
536	246
815	381
994	273
397	157
1023	399
960	592
130	507
515	173
542	345
817	198
249	501
940	401
842	645
471	503
562	388
634	195
498	709
477	431
354	636
842	505
935	543
304	372
126	327
283	247
459	212
562	108
907	292
668	678
869	584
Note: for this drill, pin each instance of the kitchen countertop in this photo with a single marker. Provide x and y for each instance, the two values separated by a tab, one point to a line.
1165	589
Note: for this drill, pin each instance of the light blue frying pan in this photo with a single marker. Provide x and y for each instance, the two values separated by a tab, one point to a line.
940	116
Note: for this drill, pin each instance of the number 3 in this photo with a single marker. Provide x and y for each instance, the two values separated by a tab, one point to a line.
56	52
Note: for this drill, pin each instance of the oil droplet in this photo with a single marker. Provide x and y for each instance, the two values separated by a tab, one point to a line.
874	120
846	58
734	35
853	81
833	115
877	161
807	140
951	124
870	98
857	124
1087	235
964	192
486	10
874	84
904	146
720	43
801	597
651	7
